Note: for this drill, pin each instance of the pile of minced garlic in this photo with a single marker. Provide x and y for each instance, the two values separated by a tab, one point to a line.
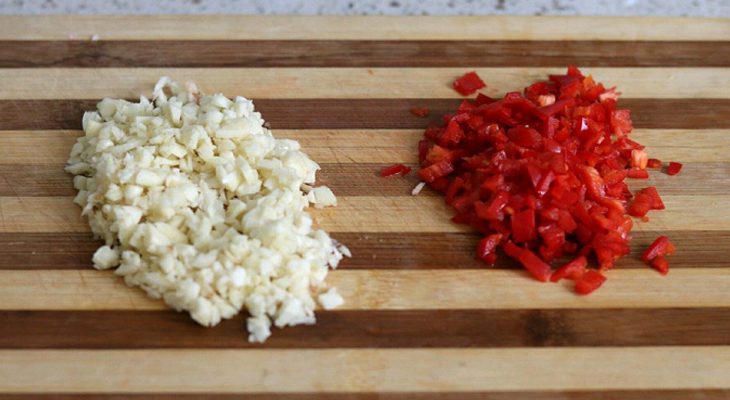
201	206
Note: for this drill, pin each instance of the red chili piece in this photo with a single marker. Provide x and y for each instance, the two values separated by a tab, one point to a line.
674	168
542	174
660	264
572	270
589	282
487	246
654	163
645	200
655	254
468	84
395	169
660	247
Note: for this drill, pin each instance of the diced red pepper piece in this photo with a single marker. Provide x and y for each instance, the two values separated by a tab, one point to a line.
452	135
590	281
492	183
674	168
544	184
555	108
435	171
423	147
660	264
654	163
438	153
638	173
525	137
395	169
523	226
487	246
660	247
572	270
494	208
553	238
656	201
456	185
421	112
546	171
534	265
433	132
468	84
641	205
512	249
440	184
566	222
621	122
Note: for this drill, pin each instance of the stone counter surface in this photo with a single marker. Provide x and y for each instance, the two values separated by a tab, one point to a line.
699	8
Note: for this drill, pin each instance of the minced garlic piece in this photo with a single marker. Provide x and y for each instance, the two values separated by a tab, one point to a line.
202	207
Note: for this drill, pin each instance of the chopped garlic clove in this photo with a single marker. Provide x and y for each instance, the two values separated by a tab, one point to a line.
416	190
330	299
321	197
105	257
205	207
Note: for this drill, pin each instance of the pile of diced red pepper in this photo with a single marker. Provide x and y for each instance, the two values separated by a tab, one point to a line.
541	175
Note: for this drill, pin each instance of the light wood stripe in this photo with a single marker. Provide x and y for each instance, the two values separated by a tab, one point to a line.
344	146
398	290
368	214
365	370
645	394
362	53
373	329
370	113
363	179
345	83
217	27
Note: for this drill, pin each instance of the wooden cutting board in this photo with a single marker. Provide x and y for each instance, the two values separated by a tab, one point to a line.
422	319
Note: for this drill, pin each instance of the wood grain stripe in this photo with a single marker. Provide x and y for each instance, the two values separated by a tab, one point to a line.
363	370
260	27
646	394
361	53
370	113
369	214
373	329
345	83
345	146
398	290
385	250
363	179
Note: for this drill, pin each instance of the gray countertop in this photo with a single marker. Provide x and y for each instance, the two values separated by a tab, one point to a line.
702	8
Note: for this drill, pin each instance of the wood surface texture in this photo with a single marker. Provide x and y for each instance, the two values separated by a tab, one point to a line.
422	319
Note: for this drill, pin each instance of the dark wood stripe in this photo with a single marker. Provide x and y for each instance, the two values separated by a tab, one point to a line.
373	329
696	249
362	53
19	251
399	250
369	113
647	394
363	179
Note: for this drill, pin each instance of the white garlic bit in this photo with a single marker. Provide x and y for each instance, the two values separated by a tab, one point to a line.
417	190
201	206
